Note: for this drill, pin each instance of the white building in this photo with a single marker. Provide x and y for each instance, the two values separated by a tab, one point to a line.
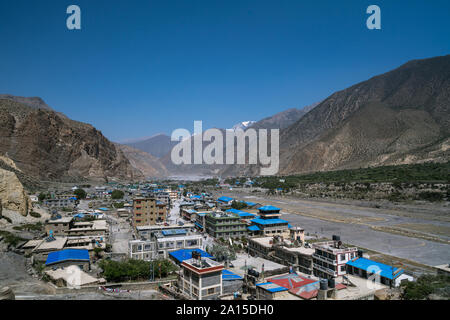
162	243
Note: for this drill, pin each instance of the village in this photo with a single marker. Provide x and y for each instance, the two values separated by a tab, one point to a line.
162	240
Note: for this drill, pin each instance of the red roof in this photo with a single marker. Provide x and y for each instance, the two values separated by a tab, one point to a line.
291	281
308	294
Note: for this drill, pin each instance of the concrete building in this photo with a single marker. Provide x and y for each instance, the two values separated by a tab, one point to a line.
58	226
187	214
224	202
162	243
225	225
201	278
260	246
64	277
300	258
61	201
148	211
69	257
42	249
330	258
385	274
286	251
89	228
269	222
282	287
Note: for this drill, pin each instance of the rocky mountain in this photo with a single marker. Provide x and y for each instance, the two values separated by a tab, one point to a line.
48	146
158	145
399	117
12	193
283	119
150	166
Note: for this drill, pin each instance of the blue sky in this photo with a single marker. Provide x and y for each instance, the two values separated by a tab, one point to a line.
142	67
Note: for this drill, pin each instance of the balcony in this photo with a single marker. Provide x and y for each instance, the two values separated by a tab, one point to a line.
324	269
322	258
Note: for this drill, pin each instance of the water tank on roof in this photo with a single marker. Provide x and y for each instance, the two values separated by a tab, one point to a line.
360	253
253	272
331	283
324	284
336	238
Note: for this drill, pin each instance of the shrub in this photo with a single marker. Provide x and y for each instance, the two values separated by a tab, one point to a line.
35	214
426	285
431	196
11	239
7	219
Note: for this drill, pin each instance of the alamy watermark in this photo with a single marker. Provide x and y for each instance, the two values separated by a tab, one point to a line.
191	148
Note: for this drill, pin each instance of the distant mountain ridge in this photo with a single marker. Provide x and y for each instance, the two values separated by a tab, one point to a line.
158	145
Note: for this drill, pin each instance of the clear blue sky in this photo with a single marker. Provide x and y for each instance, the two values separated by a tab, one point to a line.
142	67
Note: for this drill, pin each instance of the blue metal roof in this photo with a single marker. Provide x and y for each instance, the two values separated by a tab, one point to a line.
67	255
268	221
198	225
371	266
227	275
242	214
254	228
185	254
225	199
104	209
174	232
271	287
269	208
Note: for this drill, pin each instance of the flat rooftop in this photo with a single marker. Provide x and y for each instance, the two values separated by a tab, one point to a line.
57	244
333	246
204	263
263	241
255	263
302	250
363	287
61	220
162	227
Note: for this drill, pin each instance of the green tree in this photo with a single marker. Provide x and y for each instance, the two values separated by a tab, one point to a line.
117	194
238	205
80	194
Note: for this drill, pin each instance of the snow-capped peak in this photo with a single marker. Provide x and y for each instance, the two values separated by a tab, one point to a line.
243	125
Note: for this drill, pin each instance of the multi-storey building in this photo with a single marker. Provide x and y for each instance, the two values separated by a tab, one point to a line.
269	222
148	211
161	243
330	258
225	225
61	201
201	278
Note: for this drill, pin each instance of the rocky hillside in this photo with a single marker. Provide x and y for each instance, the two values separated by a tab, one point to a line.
150	166
400	117
48	146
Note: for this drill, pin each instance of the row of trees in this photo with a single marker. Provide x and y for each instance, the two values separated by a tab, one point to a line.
135	270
